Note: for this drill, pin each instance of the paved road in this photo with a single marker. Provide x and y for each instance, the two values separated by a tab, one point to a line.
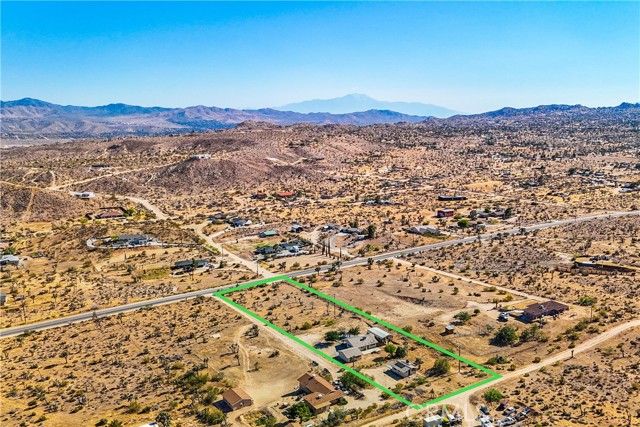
470	239
359	261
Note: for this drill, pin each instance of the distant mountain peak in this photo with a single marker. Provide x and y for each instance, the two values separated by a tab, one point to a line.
358	102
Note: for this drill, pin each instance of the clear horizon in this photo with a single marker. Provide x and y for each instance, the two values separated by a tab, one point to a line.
470	57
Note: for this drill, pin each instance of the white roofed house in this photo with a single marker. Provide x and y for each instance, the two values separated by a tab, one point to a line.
84	195
350	354
362	342
424	229
381	335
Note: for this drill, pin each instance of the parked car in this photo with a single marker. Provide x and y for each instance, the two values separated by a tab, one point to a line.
484	410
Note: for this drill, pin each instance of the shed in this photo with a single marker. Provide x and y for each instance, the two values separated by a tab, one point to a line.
237	398
449	329
381	335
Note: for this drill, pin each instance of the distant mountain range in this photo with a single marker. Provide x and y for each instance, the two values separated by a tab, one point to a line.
28	118
33	118
359	102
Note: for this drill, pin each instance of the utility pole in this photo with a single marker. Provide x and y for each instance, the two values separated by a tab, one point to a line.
459	361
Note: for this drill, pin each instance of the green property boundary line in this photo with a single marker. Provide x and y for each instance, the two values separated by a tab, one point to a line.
492	375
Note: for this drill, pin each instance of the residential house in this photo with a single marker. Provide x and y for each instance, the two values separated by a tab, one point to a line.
111	214
319	393
9	260
319	403
432	421
445	213
296	228
403	368
237	398
132	240
190	264
314	383
268	233
239	222
201	156
442	198
350	354
362	342
285	194
538	310
424	229
84	195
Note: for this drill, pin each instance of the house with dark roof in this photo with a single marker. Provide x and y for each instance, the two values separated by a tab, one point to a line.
403	368
190	264
538	310
444	213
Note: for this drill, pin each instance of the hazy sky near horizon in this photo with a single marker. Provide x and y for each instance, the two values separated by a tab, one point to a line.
468	56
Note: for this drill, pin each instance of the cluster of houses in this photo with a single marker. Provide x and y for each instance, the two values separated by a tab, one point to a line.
282	250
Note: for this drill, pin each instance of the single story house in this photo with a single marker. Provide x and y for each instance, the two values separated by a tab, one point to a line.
538	310
318	402
268	233
285	194
381	335
132	240
190	264
237	398
451	198
296	228
313	383
111	214
350	354
84	195
403	368
432	421
9	260
362	342
424	229
445	213
239	222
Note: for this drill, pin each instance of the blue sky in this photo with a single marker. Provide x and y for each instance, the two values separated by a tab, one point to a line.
469	56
